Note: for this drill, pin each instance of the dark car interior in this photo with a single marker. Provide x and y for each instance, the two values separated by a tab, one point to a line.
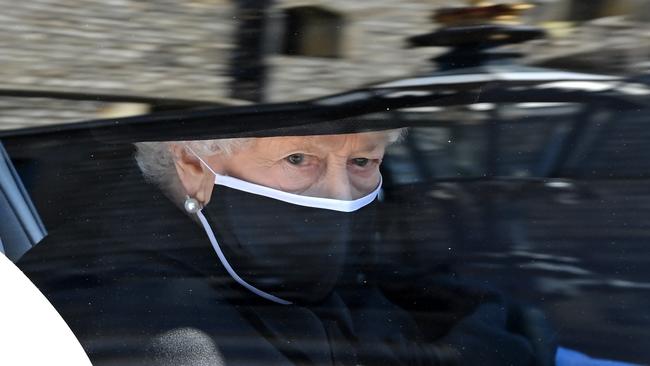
510	195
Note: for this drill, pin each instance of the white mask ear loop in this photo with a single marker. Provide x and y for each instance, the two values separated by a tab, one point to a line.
229	268
203	161
222	257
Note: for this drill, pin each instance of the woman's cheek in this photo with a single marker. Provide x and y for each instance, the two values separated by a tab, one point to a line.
295	179
366	180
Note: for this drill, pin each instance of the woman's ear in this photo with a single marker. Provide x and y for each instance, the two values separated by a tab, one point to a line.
197	180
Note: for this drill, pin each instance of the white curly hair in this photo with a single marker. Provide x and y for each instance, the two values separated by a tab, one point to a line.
157	162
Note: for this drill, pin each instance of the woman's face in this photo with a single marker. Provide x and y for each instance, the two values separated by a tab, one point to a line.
332	166
343	167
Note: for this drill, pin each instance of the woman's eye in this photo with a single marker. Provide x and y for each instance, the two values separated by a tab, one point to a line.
295	159
360	162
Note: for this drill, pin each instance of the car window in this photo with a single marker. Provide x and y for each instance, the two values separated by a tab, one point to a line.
243	183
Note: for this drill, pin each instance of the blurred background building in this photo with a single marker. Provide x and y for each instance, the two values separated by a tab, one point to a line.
66	61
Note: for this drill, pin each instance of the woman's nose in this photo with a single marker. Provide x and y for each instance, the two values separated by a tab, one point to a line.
336	184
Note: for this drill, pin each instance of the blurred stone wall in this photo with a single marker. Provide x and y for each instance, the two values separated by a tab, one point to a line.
157	48
184	49
169	49
373	48
614	38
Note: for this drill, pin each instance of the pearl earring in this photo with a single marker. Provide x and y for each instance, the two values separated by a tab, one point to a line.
191	205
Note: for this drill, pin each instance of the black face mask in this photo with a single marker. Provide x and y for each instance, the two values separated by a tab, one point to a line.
285	247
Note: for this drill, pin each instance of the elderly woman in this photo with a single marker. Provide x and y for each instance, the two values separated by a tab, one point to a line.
279	208
259	251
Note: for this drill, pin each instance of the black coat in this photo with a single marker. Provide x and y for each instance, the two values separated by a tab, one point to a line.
139	283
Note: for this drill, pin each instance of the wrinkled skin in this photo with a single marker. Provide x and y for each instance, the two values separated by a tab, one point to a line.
343	167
